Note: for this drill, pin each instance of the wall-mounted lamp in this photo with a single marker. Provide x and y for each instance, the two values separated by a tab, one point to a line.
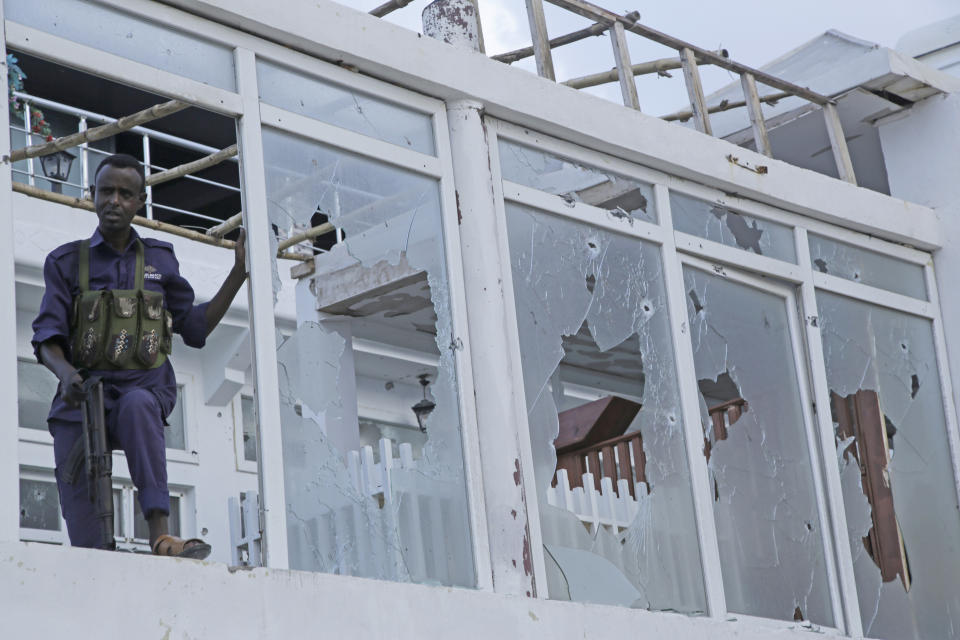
56	166
423	408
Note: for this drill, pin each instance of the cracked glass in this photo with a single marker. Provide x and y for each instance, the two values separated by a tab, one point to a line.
344	107
577	182
896	473
129	36
867	267
35	386
39	505
769	530
373	330
719	223
610	461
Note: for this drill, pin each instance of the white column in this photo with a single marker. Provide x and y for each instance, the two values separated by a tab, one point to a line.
513	520
262	326
9	465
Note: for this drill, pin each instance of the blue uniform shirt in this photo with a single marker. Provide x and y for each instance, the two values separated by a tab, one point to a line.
112	270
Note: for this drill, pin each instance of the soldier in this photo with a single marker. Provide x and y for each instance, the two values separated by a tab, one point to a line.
110	306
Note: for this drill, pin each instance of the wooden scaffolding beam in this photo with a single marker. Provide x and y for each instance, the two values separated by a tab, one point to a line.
155	112
87	205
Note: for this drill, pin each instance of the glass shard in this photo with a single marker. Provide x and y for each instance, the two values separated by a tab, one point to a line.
867	267
577	182
717	222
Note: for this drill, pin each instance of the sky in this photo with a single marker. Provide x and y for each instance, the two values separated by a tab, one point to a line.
753	32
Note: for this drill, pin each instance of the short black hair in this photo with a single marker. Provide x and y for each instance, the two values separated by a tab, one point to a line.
123	161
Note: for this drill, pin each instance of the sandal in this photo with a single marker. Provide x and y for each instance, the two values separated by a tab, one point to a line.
194	548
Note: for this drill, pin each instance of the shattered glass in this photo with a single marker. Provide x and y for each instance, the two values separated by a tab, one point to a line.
174	433
35	386
248	414
39	505
396	514
891	353
592	314
577	182
715	221
867	267
343	107
755	440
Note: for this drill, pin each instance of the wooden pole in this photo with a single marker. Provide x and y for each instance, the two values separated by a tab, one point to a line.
309	234
155	112
838	144
725	105
621	55
226	226
87	205
541	42
641	68
192	167
701	117
760	138
389	7
596	29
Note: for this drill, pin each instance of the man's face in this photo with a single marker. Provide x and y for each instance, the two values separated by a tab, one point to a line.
117	197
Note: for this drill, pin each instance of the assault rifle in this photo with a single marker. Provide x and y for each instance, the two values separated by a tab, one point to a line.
92	452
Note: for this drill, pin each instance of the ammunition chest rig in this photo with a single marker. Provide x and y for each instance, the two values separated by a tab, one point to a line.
118	328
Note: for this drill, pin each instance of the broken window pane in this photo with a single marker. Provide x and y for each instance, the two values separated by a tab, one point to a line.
577	182
36	386
39	505
396	514
715	221
344	107
248	412
755	441
174	433
602	399
867	267
116	31
895	468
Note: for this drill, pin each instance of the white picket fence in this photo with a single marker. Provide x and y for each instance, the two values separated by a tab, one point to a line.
373	478
413	537
597	508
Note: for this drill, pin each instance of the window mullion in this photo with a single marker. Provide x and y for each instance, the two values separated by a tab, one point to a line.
263	329
689	394
946	383
824	424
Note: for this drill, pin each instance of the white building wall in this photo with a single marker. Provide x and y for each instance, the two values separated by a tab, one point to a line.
920	152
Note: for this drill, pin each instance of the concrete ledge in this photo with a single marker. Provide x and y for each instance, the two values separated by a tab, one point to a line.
85	593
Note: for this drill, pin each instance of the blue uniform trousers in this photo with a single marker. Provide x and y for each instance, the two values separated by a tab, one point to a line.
134	425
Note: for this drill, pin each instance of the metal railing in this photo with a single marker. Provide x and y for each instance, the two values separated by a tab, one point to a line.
89	156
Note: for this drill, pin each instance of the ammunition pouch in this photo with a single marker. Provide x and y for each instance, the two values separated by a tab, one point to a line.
119	328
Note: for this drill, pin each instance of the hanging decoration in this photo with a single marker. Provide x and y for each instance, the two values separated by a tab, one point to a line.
15	78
